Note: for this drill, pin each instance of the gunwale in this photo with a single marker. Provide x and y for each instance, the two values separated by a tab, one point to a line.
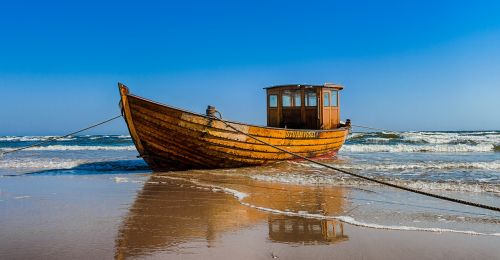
239	123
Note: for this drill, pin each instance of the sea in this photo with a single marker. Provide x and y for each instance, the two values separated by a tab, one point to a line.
458	164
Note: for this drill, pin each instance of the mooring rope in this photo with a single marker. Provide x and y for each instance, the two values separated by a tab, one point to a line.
51	139
473	204
374	128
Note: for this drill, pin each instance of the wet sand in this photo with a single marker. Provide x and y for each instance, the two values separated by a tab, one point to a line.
198	215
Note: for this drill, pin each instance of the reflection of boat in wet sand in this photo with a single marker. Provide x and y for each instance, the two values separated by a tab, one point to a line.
305	230
304	119
169	213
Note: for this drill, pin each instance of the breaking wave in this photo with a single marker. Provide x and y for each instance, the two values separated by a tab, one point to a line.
49	163
424	142
77	148
343	180
490	166
75	166
432	137
409	148
69	138
32	138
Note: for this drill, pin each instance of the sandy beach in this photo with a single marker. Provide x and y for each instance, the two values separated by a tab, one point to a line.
198	214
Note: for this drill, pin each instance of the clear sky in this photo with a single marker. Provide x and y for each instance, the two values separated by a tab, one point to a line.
405	65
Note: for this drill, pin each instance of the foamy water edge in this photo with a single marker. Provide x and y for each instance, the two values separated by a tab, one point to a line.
346	219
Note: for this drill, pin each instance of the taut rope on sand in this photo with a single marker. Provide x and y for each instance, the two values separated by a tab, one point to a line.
469	203
51	139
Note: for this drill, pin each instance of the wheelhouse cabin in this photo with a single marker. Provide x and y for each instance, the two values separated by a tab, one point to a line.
304	106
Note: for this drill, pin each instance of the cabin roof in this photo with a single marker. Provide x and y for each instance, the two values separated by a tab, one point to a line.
327	85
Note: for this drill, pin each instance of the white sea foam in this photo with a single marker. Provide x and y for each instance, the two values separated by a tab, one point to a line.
121	179
492	138
406	148
451	186
347	219
352	221
343	180
127	180
84	165
49	163
447	138
32	138
78	148
490	166
22	197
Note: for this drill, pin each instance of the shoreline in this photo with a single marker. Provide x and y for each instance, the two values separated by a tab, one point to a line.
134	215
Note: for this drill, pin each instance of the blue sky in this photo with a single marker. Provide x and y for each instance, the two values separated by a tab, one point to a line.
405	65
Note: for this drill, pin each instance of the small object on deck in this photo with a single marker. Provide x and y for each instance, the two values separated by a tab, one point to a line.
347	123
211	111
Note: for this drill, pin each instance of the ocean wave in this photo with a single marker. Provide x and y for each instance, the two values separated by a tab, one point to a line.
490	137
408	148
77	148
450	138
451	186
489	166
349	181
70	138
240	196
32	138
79	166
98	137
50	163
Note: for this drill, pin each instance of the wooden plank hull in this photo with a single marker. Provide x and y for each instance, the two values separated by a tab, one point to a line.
168	138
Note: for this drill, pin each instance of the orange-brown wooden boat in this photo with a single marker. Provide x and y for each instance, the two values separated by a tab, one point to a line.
169	138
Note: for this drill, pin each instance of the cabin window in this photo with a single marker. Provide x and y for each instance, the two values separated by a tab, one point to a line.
273	100
326	99
311	98
286	99
335	100
297	99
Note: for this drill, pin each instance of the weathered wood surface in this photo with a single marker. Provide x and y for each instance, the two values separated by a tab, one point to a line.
168	138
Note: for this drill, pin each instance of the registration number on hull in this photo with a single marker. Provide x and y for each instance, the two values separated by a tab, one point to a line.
301	134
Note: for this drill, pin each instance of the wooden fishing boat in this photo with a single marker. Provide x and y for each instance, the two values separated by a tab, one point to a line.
303	119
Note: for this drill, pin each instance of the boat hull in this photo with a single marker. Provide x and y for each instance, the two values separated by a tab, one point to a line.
169	138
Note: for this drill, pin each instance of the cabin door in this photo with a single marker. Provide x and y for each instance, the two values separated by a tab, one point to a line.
273	111
327	109
331	115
